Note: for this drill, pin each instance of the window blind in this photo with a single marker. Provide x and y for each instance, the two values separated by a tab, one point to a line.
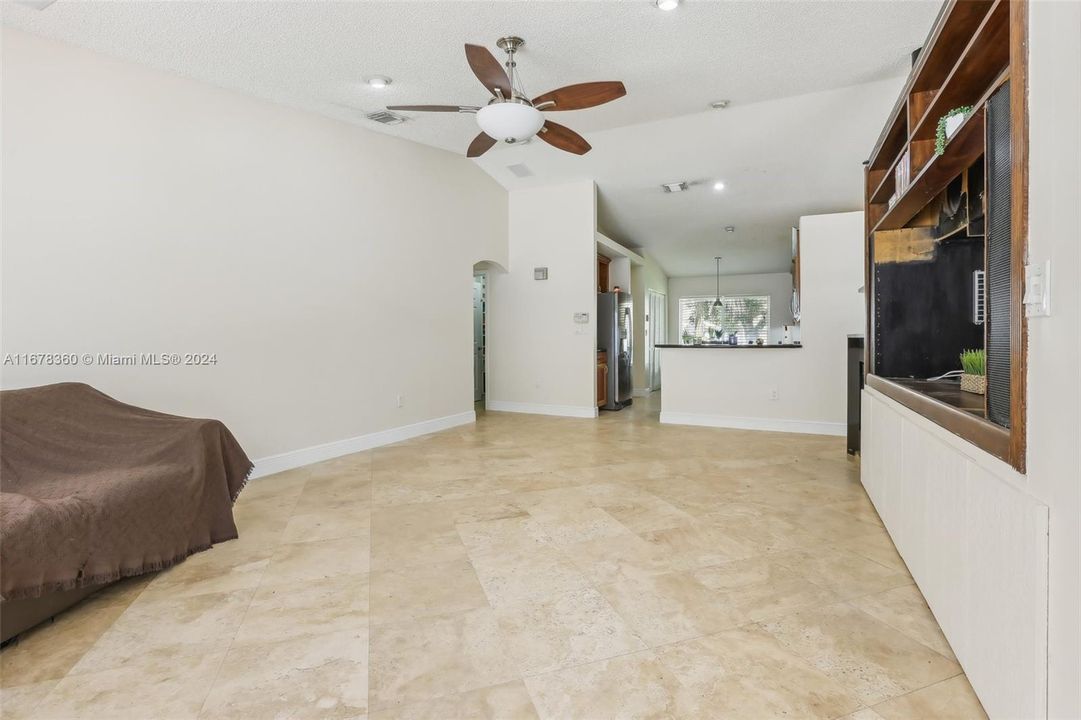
745	315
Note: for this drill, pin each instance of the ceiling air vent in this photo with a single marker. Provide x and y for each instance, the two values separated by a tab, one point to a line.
674	187
520	170
386	117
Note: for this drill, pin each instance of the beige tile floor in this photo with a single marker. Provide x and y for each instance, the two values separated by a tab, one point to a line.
525	567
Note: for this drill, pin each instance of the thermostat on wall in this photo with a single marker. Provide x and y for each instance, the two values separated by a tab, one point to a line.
581	318
540	273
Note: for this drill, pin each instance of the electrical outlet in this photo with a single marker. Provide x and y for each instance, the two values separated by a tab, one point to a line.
773	394
399	401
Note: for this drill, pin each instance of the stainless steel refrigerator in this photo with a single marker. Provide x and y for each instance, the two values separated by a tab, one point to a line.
614	312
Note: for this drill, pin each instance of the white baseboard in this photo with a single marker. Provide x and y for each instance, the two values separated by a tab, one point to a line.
539	409
328	451
808	427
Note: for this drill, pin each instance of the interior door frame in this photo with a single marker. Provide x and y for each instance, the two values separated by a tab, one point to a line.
656	328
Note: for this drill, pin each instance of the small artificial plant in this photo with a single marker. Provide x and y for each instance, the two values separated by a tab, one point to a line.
972	362
940	133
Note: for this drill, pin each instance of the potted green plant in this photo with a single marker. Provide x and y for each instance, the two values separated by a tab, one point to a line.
974	379
948	124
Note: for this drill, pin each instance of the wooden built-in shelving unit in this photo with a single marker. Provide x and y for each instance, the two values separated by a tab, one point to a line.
963	64
975	50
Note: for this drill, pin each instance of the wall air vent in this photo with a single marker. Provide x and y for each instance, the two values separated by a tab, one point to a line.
385	117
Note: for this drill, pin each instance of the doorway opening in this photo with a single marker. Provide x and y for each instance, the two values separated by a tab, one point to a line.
656	333
480	299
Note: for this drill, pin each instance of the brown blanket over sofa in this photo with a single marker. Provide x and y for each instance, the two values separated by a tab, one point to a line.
92	490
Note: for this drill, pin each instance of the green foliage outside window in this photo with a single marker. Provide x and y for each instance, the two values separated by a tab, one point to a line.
701	321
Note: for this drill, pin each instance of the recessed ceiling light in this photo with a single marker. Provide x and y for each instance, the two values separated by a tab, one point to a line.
718	185
667	4
378	81
719	104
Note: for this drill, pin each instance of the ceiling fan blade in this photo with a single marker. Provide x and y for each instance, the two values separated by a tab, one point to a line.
435	108
488	70
481	144
563	138
583	95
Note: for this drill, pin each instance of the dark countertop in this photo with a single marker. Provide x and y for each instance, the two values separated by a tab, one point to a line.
725	346
946	391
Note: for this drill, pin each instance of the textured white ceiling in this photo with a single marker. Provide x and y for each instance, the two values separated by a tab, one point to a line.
314	55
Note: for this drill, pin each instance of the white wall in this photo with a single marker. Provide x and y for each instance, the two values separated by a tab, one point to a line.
322	263
777	285
647	276
731	388
1054	343
539	359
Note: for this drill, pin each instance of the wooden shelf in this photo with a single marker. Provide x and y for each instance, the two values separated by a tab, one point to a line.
892	140
932	178
983	59
885	188
884	191
953	30
968	48
957	25
964	148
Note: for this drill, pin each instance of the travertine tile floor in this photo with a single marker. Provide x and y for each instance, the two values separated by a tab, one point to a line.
525	567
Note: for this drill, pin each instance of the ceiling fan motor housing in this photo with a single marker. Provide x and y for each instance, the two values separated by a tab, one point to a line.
510	43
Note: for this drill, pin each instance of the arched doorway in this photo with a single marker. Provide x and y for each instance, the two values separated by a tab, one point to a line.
480	292
482	298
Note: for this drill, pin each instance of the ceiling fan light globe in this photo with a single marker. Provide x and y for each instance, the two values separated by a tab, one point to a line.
510	121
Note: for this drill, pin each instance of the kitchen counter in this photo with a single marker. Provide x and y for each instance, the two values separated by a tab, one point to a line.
725	346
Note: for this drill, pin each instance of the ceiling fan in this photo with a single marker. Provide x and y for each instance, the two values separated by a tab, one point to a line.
510	115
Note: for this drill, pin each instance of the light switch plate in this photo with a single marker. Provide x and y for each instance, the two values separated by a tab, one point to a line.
1037	298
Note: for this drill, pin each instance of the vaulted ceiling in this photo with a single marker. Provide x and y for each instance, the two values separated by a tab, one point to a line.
778	160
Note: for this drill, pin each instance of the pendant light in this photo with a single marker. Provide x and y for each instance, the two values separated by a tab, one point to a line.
717	303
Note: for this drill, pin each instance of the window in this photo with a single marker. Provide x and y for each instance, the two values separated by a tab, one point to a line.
745	315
